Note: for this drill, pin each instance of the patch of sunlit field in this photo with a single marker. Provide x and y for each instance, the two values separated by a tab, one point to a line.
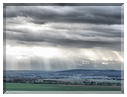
54	87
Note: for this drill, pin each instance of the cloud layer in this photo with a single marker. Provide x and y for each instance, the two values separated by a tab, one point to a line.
65	28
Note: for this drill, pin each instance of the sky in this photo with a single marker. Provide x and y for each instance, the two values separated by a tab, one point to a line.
53	38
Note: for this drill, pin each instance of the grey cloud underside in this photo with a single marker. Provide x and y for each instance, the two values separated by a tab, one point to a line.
68	14
78	36
40	40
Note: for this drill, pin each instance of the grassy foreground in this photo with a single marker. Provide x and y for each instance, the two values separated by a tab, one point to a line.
52	87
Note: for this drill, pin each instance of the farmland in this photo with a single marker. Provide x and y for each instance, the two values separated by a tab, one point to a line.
71	80
54	87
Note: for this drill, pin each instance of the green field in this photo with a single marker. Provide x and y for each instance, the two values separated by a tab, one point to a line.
52	87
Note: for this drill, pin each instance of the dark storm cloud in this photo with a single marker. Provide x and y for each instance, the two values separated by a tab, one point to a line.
24	37
40	40
85	43
38	21
107	32
69	14
68	36
93	31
